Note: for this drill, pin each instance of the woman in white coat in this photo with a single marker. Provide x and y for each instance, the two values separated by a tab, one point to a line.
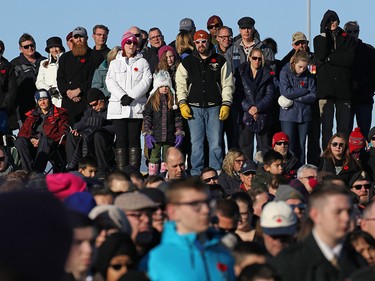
128	80
47	73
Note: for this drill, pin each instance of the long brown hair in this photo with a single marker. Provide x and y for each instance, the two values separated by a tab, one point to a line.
155	100
299	55
328	152
163	64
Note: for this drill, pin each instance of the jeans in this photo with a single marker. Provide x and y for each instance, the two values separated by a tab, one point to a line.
297	133
205	121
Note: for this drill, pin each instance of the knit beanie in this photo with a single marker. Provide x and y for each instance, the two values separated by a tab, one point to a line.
128	35
165	49
64	184
94	94
42	94
82	202
356	140
280	136
214	19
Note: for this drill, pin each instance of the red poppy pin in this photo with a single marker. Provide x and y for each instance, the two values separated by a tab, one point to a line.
346	168
279	220
135	69
213	60
291	172
82	60
222	267
2	71
344	34
272	72
302	83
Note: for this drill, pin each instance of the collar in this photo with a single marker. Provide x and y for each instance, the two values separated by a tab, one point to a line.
329	253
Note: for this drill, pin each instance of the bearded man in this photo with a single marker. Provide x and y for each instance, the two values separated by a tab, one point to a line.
76	69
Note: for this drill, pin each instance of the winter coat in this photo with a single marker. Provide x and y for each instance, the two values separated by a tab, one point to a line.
98	81
334	56
129	76
290	166
163	127
204	82
76	72
151	56
54	126
230	184
347	171
26	73
259	92
183	257
47	78
235	55
301	90
8	92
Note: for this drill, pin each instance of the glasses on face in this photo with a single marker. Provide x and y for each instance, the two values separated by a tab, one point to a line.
26	47
212	26
155	37
309	177
256	58
200	42
2	158
211	179
284	143
302	42
300	206
354	31
340	144
225	37
137	35
139	215
239	161
77	36
359	186
197	205
373	138
129	42
249	173
101	34
117	266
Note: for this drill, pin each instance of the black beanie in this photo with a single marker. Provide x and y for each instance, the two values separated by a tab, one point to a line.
94	94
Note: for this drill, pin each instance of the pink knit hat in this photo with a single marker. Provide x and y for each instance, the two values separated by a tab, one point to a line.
128	36
165	49
63	185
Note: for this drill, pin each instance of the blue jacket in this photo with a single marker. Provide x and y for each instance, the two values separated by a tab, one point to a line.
184	258
301	89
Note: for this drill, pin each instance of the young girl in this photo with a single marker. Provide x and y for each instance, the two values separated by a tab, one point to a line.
162	120
298	92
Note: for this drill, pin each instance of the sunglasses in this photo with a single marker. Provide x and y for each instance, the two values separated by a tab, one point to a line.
300	206
354	31
373	138
26	47
284	143
302	42
340	144
77	36
359	186
118	266
201	42
211	179
2	158
256	58
213	26
239	161
249	173
129	42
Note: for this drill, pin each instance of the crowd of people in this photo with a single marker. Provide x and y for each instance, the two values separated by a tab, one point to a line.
214	204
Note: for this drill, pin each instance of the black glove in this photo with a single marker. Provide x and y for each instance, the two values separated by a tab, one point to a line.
54	92
126	100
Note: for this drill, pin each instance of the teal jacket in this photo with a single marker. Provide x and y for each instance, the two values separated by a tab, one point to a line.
98	80
184	258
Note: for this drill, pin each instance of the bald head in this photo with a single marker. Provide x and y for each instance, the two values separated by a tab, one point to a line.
175	163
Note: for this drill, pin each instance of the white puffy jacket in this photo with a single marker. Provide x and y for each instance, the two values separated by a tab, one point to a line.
131	76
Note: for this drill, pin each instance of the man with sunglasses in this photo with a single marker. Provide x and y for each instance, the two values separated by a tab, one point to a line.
189	250
363	77
360	186
204	90
213	25
26	67
93	134
75	73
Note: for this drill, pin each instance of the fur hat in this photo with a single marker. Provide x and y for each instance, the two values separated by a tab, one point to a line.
356	140
162	78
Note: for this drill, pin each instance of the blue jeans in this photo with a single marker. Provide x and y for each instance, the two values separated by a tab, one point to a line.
297	133
205	121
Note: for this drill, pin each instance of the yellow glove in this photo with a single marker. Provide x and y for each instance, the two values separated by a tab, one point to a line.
224	112
185	111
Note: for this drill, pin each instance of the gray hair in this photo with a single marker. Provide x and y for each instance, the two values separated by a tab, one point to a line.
306	167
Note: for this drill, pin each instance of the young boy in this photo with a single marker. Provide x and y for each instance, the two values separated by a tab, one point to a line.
88	166
272	162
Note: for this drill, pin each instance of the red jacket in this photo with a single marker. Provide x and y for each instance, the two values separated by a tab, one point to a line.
54	126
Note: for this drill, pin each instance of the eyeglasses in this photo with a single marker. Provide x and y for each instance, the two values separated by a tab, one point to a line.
354	31
155	37
198	204
77	36
225	37
256	58
200	42
359	186
309	177
2	158
302	42
212	26
138	215
373	138
211	179
300	206
249	173
284	143
239	161
117	266
129	42
26	47
137	35
101	34
340	144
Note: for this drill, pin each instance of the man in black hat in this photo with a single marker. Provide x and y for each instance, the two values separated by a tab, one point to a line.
74	77
92	134
360	186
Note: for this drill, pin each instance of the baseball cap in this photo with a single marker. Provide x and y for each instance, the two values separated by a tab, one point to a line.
298	36
186	24
278	218
248	166
80	31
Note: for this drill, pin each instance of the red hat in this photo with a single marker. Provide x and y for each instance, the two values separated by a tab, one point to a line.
212	20
165	49
356	140
63	185
201	34
280	136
